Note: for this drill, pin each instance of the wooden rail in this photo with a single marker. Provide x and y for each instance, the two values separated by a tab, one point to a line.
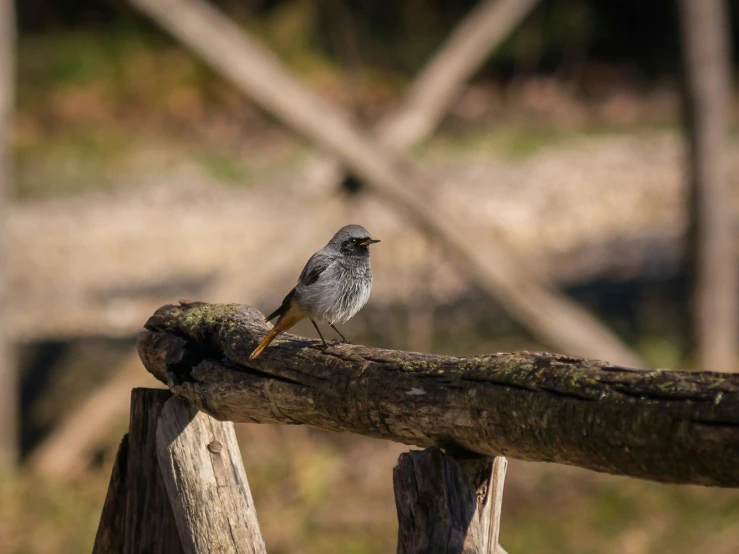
668	426
179	485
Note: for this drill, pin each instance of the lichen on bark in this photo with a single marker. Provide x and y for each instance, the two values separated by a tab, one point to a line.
671	426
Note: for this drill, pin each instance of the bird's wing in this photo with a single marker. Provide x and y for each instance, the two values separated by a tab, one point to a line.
313	269
310	274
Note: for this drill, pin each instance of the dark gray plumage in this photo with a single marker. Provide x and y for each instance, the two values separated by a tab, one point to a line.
333	286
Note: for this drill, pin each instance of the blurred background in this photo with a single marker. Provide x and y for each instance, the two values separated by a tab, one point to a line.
586	150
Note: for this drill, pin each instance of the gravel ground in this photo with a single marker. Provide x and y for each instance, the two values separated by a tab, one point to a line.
100	263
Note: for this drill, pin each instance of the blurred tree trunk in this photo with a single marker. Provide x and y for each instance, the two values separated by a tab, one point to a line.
705	29
8	372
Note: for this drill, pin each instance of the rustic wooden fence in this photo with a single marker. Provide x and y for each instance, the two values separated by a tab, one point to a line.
179	485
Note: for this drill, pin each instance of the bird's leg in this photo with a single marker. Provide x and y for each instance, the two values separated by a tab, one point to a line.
319	332
346	340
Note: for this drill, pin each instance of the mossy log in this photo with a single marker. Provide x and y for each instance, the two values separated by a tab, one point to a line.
662	425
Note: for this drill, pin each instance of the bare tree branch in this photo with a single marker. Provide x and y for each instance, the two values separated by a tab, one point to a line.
668	426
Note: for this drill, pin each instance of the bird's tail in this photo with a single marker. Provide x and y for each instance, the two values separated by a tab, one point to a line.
289	318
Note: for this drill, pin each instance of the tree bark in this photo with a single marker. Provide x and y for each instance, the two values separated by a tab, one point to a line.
109	538
148	523
554	318
669	426
8	371
705	29
205	478
447	504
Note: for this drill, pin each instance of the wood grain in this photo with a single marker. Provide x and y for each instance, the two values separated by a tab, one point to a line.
205	478
668	426
109	537
446	504
149	525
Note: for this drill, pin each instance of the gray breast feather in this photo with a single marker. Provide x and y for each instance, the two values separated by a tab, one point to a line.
338	293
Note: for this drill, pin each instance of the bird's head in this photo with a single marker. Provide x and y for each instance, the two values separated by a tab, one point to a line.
352	240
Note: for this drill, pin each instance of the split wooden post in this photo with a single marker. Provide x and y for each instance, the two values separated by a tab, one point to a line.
178	485
109	537
448	503
205	478
137	516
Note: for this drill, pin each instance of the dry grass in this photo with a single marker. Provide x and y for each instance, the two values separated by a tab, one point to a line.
324	493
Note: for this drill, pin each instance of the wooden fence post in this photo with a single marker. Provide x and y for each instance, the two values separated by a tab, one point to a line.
205	478
137	516
109	537
448	504
178	485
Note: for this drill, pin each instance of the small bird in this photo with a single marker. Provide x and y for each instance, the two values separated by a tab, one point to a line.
333	286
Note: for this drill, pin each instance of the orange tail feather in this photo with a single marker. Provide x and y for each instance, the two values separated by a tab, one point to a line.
286	320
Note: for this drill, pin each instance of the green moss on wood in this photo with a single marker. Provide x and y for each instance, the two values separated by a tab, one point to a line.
665	425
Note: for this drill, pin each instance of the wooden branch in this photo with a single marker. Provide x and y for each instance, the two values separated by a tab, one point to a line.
148	522
446	504
205	478
707	60
669	426
8	370
109	537
554	318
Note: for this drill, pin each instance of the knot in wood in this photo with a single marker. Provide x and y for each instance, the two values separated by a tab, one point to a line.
215	447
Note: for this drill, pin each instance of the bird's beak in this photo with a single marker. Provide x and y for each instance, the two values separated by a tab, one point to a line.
368	242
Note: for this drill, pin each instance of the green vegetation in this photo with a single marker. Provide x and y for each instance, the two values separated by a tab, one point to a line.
108	107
